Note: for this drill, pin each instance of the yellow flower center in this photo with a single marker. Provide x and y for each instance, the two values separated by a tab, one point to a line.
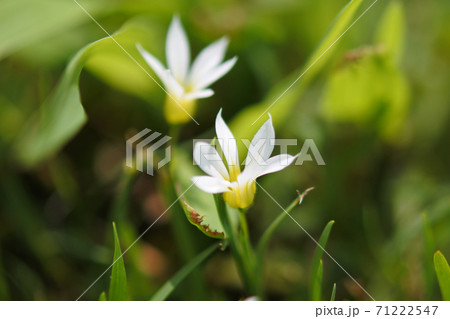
178	112
241	196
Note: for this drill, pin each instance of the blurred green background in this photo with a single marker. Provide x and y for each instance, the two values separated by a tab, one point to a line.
377	105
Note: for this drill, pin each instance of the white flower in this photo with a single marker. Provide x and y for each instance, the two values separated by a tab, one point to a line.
238	187
185	82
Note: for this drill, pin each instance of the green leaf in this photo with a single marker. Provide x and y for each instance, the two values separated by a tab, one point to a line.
170	285
62	115
283	107
369	88
113	66
102	297
443	274
26	22
198	206
118	284
333	293
317	260
59	118
316	294
391	31
370	92
429	245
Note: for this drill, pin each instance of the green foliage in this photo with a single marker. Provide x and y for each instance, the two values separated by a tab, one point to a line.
429	244
333	293
391	31
317	265
62	115
375	103
27	22
443	274
282	107
170	285
317	279
102	297
118	284
269	232
368	88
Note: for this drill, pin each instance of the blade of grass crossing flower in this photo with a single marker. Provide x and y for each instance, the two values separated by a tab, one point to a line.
316	294
443	274
333	293
118	284
170	285
317	259
430	279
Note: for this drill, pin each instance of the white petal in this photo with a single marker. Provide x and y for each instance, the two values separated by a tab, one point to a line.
208	59
276	163
177	50
215	74
227	141
199	94
262	144
210	184
154	63
173	86
207	158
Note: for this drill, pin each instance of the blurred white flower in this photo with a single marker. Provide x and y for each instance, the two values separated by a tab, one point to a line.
185	82
238	187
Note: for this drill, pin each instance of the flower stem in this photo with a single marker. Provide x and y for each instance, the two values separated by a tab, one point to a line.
240	246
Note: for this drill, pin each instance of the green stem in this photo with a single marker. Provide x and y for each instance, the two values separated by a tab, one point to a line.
245	240
239	248
262	245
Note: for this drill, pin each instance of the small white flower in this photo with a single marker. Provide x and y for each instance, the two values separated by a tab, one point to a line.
185	82
238	187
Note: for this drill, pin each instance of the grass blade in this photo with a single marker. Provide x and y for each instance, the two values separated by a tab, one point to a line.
333	293
102	297
317	259
443	274
118	284
267	235
170	285
430	279
316	292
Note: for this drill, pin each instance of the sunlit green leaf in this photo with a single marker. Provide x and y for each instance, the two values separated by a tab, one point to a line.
282	107
170	285
317	267
25	22
443	274
370	91
391	31
118	284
